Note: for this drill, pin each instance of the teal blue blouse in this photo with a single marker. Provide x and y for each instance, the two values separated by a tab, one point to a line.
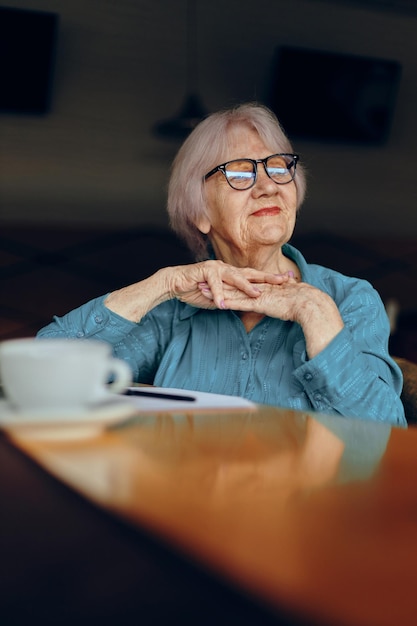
177	345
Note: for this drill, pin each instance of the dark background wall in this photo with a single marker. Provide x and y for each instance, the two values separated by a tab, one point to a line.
121	66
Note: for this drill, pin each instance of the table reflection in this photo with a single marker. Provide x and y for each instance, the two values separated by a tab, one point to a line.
255	455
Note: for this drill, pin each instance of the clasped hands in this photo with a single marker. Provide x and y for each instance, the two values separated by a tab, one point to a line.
215	284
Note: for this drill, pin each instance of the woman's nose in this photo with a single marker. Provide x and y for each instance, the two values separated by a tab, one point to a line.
264	184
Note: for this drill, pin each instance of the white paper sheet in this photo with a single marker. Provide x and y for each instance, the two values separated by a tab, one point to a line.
171	399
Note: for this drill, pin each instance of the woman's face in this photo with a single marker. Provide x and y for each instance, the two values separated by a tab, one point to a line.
243	221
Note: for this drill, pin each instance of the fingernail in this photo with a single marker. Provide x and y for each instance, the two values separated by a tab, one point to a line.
257	289
291	274
222	304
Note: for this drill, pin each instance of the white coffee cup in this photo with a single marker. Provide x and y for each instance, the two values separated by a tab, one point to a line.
61	375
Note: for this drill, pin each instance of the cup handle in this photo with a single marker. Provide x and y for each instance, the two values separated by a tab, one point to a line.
122	376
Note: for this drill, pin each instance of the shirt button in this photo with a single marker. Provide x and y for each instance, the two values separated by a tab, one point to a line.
318	397
308	376
80	334
98	319
244	356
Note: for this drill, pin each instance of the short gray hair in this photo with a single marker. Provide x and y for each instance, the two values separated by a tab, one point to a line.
206	147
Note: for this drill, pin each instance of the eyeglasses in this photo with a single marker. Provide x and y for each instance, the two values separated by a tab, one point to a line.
241	174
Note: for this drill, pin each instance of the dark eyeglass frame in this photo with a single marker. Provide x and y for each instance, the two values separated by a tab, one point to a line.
222	168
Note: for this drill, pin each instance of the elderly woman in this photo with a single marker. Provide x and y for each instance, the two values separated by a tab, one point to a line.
251	317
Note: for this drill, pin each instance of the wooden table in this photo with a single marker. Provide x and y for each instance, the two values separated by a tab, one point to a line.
249	517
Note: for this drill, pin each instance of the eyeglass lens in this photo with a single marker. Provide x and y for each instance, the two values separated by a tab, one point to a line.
241	174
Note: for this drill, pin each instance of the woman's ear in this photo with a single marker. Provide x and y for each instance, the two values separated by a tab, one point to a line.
203	224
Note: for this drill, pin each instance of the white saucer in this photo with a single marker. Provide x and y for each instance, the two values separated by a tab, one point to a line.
66	424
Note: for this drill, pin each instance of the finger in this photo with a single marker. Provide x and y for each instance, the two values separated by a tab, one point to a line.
274	279
206	291
242	283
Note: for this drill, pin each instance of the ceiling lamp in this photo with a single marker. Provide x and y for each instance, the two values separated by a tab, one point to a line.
192	110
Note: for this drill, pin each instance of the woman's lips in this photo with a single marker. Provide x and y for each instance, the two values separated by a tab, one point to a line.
269	210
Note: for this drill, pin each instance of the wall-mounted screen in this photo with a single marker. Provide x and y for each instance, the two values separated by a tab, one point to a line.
27	51
334	97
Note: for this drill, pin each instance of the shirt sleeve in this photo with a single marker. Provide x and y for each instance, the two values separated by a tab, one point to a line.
354	375
141	344
94	320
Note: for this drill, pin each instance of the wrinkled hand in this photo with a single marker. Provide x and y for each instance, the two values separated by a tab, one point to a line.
188	284
208	284
280	300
